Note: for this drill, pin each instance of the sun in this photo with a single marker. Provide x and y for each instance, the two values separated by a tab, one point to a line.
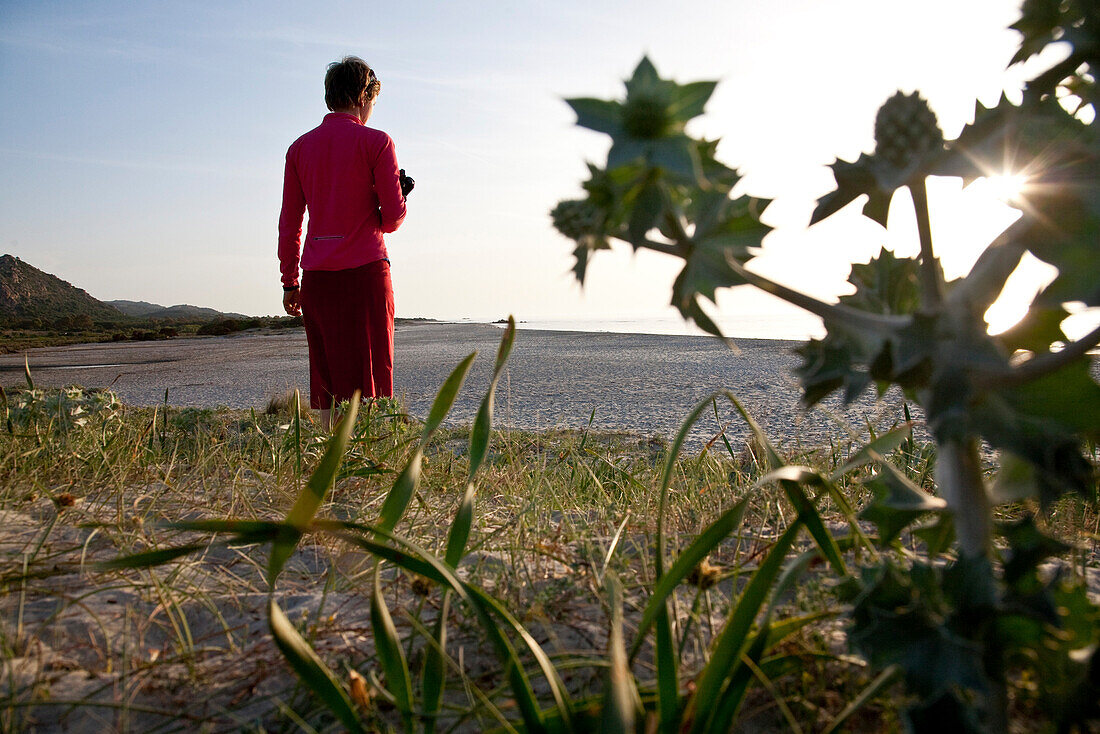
1031	275
1006	187
968	218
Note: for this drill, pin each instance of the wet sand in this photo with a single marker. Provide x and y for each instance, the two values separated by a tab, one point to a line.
640	383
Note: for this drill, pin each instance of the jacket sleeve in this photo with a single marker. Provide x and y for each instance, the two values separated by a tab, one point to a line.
290	223
387	185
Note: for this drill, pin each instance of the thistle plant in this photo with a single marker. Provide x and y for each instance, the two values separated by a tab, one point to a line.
1026	393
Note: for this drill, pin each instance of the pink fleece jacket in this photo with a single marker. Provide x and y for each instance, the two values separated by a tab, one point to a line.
346	174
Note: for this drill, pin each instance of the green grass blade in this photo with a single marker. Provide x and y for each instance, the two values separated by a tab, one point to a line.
520	684
908	494
791	478
722	431
809	515
875	450
148	559
244	527
773	458
487	608
506	342
767	637
404	487
735	635
152	430
310	669
310	498
668	673
781	630
362	471
432	678
391	655
699	548
27	372
479	436
298	433
414	560
447	395
778	666
842	502
666	475
733	692
884	679
472	690
427	565
612	546
792	574
459	534
621	701
321	480
666	658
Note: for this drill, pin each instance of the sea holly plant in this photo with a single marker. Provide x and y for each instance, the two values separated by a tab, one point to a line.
1028	393
659	181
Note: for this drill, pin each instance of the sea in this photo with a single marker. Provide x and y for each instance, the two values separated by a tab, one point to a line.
794	326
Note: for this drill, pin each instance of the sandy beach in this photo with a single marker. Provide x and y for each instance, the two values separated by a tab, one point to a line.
639	383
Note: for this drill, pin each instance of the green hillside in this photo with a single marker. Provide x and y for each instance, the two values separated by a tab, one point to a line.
135	308
180	312
35	298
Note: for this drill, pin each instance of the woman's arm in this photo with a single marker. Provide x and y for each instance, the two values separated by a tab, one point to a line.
387	184
290	223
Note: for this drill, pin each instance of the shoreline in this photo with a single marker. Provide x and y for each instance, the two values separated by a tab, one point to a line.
643	384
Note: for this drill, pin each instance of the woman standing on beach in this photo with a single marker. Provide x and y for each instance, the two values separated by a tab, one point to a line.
346	175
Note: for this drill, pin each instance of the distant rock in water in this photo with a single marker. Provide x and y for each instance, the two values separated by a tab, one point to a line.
30	295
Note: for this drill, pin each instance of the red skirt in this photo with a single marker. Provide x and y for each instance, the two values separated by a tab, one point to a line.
348	315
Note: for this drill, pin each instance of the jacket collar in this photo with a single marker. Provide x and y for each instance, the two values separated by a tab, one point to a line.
334	116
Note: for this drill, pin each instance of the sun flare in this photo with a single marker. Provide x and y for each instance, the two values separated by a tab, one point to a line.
1008	187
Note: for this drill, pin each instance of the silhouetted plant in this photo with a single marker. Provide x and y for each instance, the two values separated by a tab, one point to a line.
959	631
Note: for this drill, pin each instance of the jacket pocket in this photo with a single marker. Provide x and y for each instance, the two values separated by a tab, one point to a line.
328	237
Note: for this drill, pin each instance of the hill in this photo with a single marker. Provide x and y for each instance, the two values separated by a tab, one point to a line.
29	294
181	312
38	310
135	308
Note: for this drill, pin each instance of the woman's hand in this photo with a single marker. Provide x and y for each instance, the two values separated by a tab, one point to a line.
290	302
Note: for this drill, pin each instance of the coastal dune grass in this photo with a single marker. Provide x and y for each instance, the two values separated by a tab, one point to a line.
166	569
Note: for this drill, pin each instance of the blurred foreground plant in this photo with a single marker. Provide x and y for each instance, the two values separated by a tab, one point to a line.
959	632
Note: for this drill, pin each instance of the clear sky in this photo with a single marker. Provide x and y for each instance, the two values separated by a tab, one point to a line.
142	143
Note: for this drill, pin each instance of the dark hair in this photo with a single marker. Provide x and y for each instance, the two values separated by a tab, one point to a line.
349	82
